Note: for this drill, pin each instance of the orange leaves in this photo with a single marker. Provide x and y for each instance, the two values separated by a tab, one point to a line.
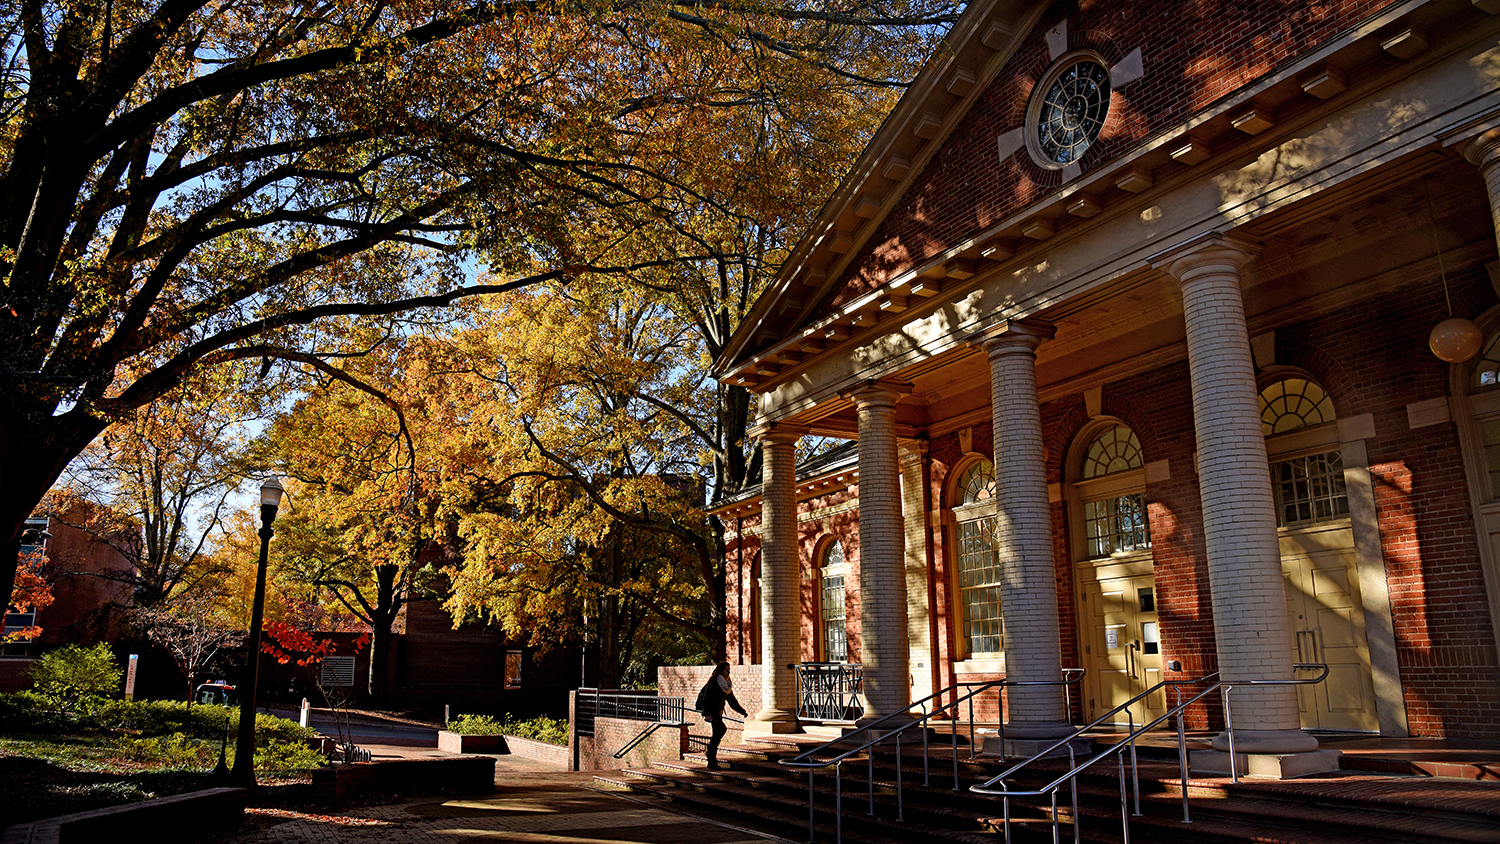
31	592
289	643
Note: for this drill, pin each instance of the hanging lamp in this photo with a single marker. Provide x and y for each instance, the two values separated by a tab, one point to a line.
1455	339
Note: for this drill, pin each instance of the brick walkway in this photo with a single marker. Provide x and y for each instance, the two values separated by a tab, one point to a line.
530	804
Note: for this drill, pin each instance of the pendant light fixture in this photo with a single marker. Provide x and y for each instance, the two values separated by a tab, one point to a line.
1455	339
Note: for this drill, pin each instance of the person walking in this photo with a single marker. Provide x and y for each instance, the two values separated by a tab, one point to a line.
716	692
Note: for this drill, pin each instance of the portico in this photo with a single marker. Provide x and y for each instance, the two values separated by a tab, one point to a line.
1168	410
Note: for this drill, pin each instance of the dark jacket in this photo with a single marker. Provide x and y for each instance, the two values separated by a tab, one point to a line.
712	697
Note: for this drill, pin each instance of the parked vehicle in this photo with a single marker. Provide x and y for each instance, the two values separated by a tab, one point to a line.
221	693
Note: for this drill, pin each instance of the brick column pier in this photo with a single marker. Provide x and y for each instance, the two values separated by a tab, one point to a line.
884	654
1251	629
780	636
1023	537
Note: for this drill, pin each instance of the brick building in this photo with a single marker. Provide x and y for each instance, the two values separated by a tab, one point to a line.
1128	307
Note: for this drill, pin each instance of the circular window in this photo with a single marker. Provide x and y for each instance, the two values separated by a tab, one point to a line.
1067	111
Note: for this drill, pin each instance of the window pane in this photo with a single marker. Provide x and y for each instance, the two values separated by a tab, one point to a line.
979	589
1293	403
1492	454
835	637
1115	525
1310	490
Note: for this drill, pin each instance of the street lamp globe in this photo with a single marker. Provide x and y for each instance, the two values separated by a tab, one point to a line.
271	492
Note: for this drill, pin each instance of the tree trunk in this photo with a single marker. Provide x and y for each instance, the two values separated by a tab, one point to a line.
381	619
37	449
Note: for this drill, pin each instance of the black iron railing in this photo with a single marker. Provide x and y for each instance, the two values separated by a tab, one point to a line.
627	704
829	691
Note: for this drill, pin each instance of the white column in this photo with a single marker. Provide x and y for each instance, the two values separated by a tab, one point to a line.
883	655
780	608
1023	533
1239	517
1484	152
918	566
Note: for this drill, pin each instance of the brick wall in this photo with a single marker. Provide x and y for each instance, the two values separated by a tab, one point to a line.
596	752
345	783
15	674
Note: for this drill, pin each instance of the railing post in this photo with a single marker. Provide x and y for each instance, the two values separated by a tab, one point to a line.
1182	758
1135	772
838	802
812	829
1234	762
1124	809
954	736
1073	765
900	805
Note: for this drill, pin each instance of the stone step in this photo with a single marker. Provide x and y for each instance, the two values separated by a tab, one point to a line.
1340	809
787	816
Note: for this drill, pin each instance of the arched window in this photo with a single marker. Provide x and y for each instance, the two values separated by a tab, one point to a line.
1114	520
978	560
831	610
1293	403
1309	487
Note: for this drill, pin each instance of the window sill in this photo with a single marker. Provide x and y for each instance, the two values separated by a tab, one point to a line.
985	665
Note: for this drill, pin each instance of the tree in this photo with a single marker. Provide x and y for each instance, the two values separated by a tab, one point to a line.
362	528
192	182
578	505
189	628
156	482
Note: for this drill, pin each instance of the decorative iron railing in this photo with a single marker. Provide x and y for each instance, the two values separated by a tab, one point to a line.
828	691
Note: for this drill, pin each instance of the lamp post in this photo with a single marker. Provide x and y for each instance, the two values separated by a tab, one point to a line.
244	745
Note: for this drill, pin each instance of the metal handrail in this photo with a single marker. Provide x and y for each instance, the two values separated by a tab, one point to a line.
1074	768
804	760
666	720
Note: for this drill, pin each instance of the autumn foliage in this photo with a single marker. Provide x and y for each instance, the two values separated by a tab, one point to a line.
288	643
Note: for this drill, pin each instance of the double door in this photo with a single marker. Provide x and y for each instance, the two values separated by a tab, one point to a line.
1328	626
1122	643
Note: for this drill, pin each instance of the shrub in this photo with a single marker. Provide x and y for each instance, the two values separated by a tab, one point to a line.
540	728
72	676
475	725
162	717
29	712
175	750
270	729
284	757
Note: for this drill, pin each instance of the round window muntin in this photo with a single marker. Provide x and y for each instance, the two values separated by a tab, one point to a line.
1067	110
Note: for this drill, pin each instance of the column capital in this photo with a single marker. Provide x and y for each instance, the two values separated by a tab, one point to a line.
878	391
1478	141
1214	250
1011	334
776	432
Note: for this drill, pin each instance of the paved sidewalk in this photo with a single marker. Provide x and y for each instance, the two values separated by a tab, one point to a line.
532	803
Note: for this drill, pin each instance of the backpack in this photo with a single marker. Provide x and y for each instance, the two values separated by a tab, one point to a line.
707	697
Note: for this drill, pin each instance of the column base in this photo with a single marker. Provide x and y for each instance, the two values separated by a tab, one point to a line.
1274	766
1026	739
1272	742
1026	748
773	721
